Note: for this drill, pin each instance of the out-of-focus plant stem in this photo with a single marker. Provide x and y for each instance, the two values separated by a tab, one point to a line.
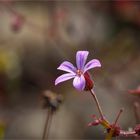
47	124
136	112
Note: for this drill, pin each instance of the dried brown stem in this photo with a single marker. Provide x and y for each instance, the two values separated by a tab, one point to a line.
47	124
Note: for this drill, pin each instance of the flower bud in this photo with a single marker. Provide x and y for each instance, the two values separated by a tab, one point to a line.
89	82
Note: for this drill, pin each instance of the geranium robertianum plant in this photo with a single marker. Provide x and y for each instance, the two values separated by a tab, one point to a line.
82	81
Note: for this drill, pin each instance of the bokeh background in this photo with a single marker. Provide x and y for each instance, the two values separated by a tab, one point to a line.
36	36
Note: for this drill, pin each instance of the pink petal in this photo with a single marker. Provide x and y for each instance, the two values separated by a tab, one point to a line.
92	64
64	77
96	122
79	82
67	66
81	58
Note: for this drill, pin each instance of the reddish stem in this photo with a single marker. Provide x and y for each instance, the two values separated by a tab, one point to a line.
136	112
118	116
97	103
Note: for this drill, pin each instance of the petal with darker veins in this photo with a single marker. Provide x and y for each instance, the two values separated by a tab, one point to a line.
67	66
79	82
92	64
64	77
81	58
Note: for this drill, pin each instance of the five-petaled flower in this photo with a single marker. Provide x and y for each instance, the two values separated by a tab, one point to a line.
80	73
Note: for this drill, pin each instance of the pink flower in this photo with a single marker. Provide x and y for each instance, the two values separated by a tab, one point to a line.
79	72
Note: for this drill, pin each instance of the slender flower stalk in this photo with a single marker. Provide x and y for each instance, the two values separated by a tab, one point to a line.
118	116
97	103
47	124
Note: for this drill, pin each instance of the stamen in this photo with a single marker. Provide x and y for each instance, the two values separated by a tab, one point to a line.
79	72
